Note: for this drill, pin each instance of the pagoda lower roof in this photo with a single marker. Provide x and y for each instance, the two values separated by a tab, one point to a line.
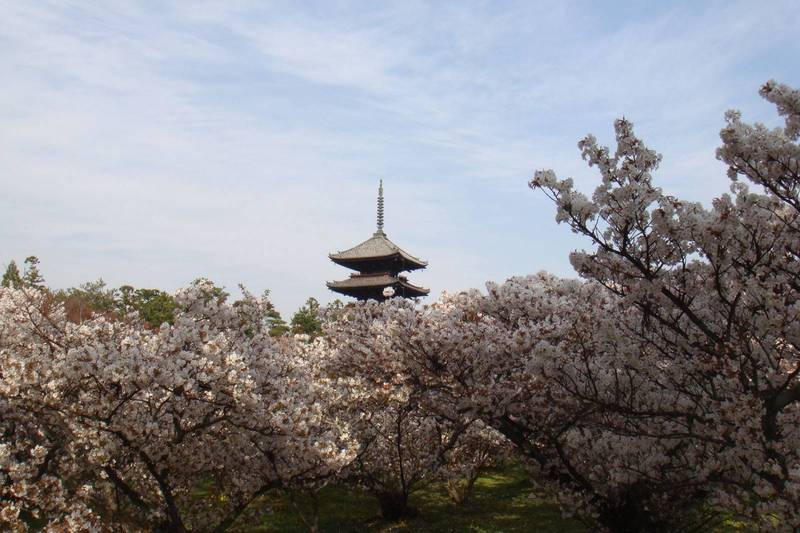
377	247
362	284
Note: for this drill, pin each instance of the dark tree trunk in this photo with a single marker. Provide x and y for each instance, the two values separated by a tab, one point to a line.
632	517
170	527
394	506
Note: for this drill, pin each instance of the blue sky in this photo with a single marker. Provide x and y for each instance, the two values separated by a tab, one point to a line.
152	143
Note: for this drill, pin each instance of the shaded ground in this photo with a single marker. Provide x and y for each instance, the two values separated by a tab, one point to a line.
503	501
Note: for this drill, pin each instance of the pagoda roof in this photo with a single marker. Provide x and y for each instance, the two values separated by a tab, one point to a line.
376	247
359	284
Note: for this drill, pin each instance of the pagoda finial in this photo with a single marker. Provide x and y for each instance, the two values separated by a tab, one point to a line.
380	207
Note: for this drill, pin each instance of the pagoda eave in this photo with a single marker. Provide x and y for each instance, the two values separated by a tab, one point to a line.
388	263
372	287
377	248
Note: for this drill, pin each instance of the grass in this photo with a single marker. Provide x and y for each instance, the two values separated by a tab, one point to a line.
503	501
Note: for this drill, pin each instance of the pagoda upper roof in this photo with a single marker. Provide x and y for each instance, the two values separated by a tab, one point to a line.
375	248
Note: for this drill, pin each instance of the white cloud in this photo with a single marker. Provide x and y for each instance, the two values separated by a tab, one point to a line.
243	141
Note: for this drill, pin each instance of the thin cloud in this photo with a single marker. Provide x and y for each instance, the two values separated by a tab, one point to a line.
243	141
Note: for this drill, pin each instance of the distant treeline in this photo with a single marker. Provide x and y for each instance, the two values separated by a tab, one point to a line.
153	305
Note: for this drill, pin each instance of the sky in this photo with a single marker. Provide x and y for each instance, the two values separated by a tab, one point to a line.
152	143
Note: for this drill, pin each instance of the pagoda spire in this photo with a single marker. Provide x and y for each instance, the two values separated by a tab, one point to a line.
380	208
378	264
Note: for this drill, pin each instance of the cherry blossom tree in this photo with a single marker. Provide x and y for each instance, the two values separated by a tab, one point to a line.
658	392
595	412
716	292
479	448
33	471
664	388
141	418
402	442
511	359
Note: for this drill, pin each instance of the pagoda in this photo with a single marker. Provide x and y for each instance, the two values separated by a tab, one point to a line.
378	263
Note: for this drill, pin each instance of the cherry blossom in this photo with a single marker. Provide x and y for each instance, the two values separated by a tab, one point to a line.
141	418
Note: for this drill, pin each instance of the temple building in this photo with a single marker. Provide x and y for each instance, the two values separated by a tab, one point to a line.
378	263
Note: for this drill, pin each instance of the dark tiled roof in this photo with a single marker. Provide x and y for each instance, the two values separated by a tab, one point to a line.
374	280
376	247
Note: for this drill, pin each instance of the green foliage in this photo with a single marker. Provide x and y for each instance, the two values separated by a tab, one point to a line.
156	306
32	277
153	305
12	278
94	297
87	300
127	301
100	298
277	325
307	319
